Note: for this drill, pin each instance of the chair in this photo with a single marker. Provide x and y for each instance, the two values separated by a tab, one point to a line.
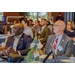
2	48
5	29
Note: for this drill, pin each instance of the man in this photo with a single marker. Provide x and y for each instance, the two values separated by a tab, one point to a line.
62	44
44	31
19	42
1	28
31	23
24	17
27	29
59	17
36	27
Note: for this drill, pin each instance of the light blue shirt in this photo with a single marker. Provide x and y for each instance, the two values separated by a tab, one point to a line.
59	39
28	31
16	42
43	28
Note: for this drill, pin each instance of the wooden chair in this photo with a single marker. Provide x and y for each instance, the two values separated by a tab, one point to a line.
2	48
5	29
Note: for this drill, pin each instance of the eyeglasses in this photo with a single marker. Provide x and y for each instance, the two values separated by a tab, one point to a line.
68	24
55	25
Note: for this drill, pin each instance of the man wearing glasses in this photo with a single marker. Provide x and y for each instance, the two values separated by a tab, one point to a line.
61	43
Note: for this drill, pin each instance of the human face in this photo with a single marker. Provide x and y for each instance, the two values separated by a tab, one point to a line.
14	22
36	23
42	22
68	25
16	30
23	23
56	28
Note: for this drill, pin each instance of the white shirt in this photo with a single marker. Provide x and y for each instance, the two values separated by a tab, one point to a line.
16	42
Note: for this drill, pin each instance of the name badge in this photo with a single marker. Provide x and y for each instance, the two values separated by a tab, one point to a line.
60	48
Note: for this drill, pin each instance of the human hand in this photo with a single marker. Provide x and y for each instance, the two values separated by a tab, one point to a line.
40	46
10	50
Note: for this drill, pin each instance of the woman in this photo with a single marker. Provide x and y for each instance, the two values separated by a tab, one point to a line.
71	33
70	30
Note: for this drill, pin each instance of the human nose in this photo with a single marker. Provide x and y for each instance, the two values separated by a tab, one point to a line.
53	26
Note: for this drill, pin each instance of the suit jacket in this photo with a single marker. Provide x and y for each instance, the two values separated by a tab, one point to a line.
66	43
23	43
44	35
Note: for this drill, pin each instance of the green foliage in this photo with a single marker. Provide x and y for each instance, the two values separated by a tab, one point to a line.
22	13
29	56
30	53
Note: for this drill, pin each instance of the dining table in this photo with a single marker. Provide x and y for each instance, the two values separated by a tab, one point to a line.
61	59
2	38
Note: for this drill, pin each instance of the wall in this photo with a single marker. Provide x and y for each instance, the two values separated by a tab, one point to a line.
55	14
11	14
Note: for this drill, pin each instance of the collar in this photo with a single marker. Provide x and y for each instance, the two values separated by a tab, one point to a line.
18	37
27	29
43	27
59	36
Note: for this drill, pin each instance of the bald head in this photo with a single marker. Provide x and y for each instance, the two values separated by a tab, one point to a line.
58	28
19	25
18	29
60	23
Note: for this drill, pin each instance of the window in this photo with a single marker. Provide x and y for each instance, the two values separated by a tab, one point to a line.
37	15
1	14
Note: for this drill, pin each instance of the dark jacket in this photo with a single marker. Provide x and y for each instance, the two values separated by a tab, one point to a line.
59	18
23	44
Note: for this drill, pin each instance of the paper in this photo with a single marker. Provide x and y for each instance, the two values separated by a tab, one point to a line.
72	59
66	60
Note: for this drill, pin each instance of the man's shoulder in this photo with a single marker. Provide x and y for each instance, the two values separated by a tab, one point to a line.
11	36
46	28
51	36
26	36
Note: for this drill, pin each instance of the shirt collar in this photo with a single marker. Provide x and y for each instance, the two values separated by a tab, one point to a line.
27	29
59	36
43	27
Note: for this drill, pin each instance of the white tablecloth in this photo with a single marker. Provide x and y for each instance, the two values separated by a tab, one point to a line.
2	39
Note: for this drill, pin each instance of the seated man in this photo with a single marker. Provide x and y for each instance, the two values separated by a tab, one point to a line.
36	27
44	31
62	44
27	29
19	42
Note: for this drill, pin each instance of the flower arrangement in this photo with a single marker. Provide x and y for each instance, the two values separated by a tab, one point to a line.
34	52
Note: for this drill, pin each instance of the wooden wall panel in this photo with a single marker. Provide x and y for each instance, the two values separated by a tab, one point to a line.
55	14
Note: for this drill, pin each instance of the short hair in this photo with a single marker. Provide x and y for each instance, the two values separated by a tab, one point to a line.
72	24
44	20
38	21
15	20
19	24
31	20
26	21
59	13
